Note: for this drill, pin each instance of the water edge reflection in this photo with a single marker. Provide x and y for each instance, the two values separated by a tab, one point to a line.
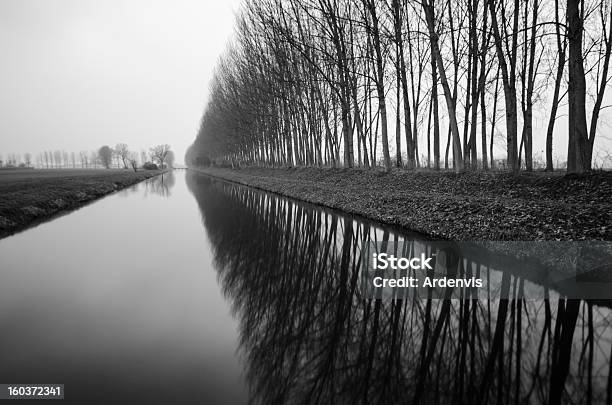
291	272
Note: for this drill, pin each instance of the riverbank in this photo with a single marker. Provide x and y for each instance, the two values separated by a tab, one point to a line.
30	196
468	206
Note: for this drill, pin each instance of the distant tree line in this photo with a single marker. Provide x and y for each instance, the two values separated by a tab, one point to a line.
16	160
160	156
408	84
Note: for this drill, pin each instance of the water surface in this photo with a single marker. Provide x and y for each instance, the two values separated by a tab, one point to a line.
308	334
119	301
195	290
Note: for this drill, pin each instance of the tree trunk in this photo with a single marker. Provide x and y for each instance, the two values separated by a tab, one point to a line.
474	117
530	84
436	119
380	83
450	102
508	69
600	93
577	154
555	100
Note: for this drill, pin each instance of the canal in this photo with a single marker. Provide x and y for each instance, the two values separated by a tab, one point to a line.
185	289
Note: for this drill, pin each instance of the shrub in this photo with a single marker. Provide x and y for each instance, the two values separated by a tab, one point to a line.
150	166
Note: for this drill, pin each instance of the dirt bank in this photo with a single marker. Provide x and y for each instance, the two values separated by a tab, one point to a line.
469	206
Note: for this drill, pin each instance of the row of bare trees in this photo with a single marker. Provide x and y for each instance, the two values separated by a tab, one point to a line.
63	159
120	156
335	82
16	160
123	157
48	159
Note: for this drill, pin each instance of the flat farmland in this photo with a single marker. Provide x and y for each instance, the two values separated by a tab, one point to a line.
30	196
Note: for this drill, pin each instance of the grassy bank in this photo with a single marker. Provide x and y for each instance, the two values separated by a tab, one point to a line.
31	196
469	206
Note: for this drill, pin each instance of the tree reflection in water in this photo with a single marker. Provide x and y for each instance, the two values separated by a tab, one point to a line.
160	185
308	336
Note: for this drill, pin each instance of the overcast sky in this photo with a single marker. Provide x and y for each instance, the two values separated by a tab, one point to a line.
78	74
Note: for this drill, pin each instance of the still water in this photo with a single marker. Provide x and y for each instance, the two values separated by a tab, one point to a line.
119	301
192	290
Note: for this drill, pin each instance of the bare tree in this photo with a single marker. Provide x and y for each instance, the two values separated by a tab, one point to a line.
577	154
372	25
122	152
507	50
105	154
160	153
84	159
133	160
94	159
561	41
603	65
57	157
428	8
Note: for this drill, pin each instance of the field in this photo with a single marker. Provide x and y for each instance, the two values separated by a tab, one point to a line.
29	196
467	206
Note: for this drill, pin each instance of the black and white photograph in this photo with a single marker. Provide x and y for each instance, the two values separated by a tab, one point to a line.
306	202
